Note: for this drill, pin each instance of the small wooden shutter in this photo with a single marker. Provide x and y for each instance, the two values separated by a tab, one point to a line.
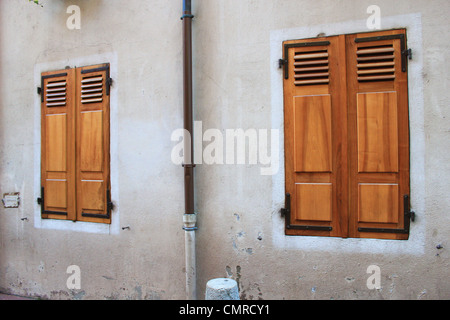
92	152
58	145
378	135
314	127
347	136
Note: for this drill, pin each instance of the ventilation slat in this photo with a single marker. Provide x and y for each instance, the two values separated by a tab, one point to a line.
92	100
387	57
306	82
56	104
312	75
311	67
56	84
312	62
56	99
311	56
92	90
88	80
58	94
91	85
374	78
371	71
57	90
95	95
375	50
376	63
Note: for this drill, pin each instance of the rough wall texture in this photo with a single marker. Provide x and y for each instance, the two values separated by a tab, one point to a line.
239	234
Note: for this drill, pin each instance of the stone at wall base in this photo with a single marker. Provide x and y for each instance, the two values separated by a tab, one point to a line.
222	289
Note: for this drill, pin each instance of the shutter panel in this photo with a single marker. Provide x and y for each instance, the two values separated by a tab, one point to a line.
58	145
378	134
92	157
315	122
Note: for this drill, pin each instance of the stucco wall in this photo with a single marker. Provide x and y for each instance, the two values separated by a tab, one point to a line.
237	84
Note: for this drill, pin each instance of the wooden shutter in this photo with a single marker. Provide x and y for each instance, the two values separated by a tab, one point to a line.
314	126
92	151
347	136
378	135
58	145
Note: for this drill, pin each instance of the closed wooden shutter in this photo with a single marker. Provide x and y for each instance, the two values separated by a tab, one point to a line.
58	145
314	127
378	135
92	154
347	136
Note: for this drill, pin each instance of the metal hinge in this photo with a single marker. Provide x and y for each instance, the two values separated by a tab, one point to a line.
407	53
408	217
41	202
286	212
109	82
109	208
281	63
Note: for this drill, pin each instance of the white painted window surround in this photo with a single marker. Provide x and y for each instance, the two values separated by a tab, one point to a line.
78	226
416	243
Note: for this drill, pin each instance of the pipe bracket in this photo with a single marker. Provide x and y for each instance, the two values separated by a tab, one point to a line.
190	228
187	16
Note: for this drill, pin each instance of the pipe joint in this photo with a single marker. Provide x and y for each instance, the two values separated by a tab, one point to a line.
190	221
191	16
190	228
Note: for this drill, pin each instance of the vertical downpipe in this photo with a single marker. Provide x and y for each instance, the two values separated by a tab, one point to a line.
189	217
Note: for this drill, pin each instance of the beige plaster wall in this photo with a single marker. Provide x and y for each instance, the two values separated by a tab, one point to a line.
237	85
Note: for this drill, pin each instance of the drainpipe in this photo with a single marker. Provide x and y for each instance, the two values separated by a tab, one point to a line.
189	217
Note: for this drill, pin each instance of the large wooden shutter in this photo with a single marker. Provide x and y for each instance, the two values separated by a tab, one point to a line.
314	127
58	145
92	152
347	136
378	135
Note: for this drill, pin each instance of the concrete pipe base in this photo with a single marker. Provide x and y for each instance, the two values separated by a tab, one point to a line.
222	289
